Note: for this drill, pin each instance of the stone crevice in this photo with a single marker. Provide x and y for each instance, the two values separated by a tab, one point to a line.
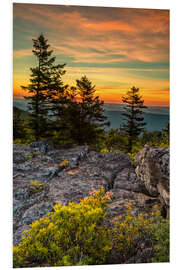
86	170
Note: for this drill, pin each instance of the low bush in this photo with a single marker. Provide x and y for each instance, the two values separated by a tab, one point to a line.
71	235
76	234
28	157
131	230
37	153
35	186
160	237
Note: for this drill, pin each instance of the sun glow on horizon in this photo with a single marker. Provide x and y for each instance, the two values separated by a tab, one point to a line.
115	48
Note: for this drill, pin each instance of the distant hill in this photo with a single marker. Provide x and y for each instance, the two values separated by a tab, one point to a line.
153	121
156	117
24	114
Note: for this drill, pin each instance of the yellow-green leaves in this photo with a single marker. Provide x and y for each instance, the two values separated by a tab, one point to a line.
71	235
76	234
64	163
36	186
130	230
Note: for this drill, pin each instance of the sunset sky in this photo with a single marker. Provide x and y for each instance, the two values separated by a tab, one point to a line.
116	48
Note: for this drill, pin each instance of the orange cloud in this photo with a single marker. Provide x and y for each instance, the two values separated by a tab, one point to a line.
139	34
109	26
100	35
22	53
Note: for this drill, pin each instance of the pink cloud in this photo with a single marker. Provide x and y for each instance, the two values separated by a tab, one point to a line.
138	35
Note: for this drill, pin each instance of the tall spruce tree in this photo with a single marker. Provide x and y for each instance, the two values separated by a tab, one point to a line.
133	114
59	100
78	114
45	77
87	118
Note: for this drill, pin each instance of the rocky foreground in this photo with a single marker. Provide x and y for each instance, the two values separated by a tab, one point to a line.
44	176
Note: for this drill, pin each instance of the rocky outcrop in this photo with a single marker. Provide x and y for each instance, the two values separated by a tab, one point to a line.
42	146
153	171
42	178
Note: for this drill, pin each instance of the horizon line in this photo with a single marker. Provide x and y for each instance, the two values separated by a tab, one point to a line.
105	102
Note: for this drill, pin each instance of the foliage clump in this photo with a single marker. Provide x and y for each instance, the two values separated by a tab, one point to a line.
117	141
35	186
76	234
37	153
127	232
71	235
19	127
64	163
28	157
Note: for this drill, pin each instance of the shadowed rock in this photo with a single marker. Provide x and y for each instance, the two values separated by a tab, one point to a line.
153	170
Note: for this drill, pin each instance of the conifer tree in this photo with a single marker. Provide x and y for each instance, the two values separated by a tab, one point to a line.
44	78
133	114
87	118
60	104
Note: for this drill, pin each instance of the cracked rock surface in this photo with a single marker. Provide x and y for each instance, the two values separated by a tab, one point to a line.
40	180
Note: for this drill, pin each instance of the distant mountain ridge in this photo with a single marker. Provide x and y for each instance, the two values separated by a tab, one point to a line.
156	117
149	109
24	114
22	104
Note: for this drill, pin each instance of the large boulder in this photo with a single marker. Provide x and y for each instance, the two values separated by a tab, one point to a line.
152	167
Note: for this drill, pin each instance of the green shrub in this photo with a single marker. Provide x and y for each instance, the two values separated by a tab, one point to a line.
77	235
35	186
71	235
127	232
20	141
160	238
37	153
116	140
28	157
